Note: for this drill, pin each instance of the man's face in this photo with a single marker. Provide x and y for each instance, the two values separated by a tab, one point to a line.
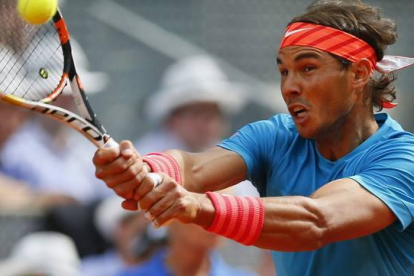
317	90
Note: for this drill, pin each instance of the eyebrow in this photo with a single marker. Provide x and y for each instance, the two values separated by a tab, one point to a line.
307	55
300	57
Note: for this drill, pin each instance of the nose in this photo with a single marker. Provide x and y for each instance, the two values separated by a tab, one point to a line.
290	86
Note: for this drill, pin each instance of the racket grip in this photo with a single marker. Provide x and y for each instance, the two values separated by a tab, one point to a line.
111	143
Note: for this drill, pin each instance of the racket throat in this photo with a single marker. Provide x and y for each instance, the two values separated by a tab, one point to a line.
76	85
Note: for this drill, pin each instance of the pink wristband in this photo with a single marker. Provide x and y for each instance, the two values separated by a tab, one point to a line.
237	218
161	162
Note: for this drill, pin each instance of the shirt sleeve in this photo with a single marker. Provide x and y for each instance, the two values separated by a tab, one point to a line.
389	175
259	144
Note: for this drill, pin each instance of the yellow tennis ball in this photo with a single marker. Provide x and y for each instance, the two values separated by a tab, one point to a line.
37	11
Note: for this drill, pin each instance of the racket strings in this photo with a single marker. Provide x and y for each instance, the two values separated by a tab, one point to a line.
42	53
31	58
10	56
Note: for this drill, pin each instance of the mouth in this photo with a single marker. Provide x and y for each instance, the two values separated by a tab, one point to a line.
298	111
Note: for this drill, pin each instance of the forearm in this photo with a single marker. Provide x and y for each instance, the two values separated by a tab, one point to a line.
212	170
288	223
292	223
340	210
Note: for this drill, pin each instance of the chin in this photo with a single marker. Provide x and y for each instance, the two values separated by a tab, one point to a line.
306	133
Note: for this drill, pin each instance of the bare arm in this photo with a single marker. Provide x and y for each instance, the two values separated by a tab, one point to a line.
215	169
340	210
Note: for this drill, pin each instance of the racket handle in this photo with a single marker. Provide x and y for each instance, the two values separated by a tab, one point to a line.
111	143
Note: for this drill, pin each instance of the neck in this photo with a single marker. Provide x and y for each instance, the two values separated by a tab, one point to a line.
186	260
347	136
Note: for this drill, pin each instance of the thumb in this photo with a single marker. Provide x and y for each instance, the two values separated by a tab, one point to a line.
104	156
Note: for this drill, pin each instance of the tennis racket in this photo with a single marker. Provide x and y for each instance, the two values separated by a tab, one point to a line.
36	64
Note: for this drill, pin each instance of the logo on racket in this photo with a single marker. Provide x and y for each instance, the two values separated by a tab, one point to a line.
43	73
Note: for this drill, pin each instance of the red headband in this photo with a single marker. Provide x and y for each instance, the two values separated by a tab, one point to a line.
342	44
330	40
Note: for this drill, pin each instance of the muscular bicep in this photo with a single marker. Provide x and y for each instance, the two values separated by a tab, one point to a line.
211	170
351	211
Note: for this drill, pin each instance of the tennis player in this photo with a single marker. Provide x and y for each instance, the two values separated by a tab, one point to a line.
336	180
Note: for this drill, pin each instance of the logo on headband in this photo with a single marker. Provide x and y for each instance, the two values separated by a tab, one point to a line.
289	33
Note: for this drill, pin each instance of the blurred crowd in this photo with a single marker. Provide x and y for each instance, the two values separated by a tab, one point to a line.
46	172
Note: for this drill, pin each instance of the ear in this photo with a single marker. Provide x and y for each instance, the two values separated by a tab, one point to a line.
362	70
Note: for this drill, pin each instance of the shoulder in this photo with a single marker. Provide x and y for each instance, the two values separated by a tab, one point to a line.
391	129
393	139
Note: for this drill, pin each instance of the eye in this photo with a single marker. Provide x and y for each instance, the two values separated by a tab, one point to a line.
283	72
308	68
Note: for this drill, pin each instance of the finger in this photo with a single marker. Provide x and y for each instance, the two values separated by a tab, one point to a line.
157	224
104	156
130	205
118	166
128	150
127	189
184	208
134	173
165	217
169	190
158	208
148	184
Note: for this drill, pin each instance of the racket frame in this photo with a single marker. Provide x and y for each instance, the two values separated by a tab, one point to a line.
86	123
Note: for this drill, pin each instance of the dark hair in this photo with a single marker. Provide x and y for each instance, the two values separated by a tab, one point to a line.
366	23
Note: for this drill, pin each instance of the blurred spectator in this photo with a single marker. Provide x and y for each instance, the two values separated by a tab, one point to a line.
123	230
191	106
16	193
190	112
15	118
42	254
191	251
13	193
20	206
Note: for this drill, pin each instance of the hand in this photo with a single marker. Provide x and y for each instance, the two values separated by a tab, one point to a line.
169	200
122	169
